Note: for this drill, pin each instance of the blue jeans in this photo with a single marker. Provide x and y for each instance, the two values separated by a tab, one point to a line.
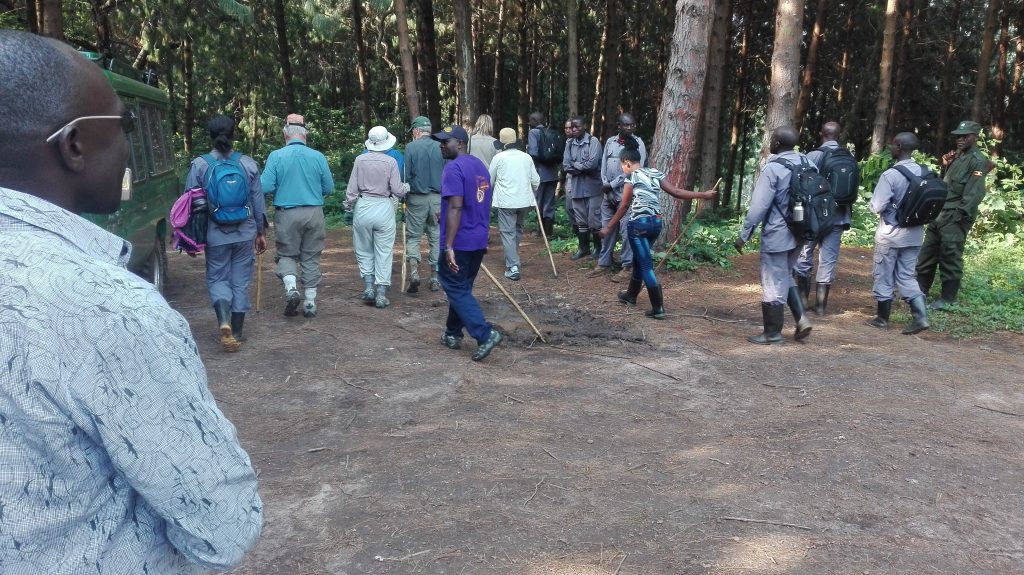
229	273
464	311
642	233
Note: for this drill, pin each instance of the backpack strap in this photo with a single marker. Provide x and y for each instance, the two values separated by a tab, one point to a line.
826	153
914	180
236	157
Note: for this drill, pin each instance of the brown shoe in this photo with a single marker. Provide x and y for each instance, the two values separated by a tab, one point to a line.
227	341
625	274
599	271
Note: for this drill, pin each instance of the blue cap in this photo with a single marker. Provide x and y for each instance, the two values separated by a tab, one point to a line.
453	131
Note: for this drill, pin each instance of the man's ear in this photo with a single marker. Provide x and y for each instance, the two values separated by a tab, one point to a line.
72	150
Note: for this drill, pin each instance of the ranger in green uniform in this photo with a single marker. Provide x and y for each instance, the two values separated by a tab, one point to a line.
943	245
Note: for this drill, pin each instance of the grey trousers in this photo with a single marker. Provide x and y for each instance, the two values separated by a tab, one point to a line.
510	225
776	275
587	213
895	268
229	273
373	236
300	241
419	218
545	195
828	257
617	233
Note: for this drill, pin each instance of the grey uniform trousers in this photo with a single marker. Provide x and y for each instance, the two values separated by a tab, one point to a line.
300	240
587	212
510	225
373	236
545	195
777	275
828	257
229	273
616	233
895	268
420	210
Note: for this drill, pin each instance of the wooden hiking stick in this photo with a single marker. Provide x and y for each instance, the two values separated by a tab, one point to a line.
681	235
259	280
514	302
405	242
543	234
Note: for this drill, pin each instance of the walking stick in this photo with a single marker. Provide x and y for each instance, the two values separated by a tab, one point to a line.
405	244
514	302
681	235
259	280
544	235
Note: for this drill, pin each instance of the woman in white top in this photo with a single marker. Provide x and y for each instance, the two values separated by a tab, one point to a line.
514	180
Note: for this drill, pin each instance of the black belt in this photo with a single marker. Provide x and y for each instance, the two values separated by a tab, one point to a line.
288	207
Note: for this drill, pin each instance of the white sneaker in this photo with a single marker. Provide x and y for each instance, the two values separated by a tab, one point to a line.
309	309
512	273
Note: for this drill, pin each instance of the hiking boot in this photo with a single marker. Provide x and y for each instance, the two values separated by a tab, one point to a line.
821	298
309	309
628	297
451	341
512	273
584	249
772	314
881	320
292	300
369	296
919	313
435	284
227	339
657	310
599	271
625	274
414	281
237	323
484	349
382	300
796	305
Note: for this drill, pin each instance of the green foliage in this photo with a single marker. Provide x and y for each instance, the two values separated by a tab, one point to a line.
708	241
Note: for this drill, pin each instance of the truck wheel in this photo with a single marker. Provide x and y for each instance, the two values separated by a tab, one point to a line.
158	264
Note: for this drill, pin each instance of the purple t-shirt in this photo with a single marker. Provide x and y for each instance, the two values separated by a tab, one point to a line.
468	177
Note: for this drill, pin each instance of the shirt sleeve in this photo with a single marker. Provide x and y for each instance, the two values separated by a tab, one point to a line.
761	199
395	180
256	198
268	181
882	196
352	192
451	182
643	154
141	393
326	178
534	178
196	174
531	142
974	188
593	163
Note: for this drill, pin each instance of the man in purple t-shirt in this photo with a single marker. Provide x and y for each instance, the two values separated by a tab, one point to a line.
465	216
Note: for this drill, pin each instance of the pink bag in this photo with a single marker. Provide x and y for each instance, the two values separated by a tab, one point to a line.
189	219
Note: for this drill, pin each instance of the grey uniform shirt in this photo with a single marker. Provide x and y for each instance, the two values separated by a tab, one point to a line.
771	188
582	159
611	168
844	214
890	190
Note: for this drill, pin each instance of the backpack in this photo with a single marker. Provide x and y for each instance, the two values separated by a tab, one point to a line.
189	220
840	169
550	146
924	198
227	189
810	191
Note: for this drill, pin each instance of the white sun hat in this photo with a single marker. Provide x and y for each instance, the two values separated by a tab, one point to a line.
380	139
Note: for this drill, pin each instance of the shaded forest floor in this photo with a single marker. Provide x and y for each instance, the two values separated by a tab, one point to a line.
625	445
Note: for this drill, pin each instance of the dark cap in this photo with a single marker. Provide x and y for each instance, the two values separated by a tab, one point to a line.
966	127
453	131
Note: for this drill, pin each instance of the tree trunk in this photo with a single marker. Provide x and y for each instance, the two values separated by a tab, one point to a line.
284	57
946	92
898	105
885	77
426	52
675	136
807	82
53	19
981	85
32	16
497	102
464	58
361	70
844	61
613	103
147	40
190	93
597	108
1018	63
999	102
736	128
412	100
522	63
574	53
714	95
743	162
101	20
785	81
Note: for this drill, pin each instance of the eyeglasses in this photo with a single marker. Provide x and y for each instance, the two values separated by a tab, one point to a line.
127	123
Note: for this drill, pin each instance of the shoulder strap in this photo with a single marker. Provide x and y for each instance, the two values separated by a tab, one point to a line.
910	175
826	153
236	157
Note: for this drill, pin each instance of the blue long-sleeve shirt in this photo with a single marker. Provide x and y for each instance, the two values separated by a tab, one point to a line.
297	175
115	457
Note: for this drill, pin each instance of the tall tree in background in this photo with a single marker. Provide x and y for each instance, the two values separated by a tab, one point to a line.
426	52
878	132
984	61
785	83
675	137
361	72
51	18
946	89
466	67
284	56
572	14
999	100
613	102
412	100
714	96
807	82
497	89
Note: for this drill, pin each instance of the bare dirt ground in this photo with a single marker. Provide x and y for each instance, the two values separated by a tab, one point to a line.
627	445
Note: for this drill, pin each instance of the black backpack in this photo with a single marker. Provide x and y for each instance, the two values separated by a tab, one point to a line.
550	146
924	198
809	193
840	169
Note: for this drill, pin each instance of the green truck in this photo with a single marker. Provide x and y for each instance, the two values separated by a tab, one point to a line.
143	219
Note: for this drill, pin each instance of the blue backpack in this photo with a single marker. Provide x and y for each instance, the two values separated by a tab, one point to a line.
227	189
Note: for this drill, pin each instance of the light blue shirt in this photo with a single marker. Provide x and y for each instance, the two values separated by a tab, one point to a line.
297	175
114	457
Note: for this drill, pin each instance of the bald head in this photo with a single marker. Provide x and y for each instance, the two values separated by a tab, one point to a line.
903	145
830	131
784	138
536	119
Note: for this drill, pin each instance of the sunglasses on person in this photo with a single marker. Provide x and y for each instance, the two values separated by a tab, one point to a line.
127	123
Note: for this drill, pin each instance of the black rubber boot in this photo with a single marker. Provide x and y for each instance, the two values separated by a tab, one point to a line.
628	296
803	283
237	323
657	303
584	249
920	315
925	281
821	298
772	314
549	226
948	297
222	308
796	305
596	242
881	320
